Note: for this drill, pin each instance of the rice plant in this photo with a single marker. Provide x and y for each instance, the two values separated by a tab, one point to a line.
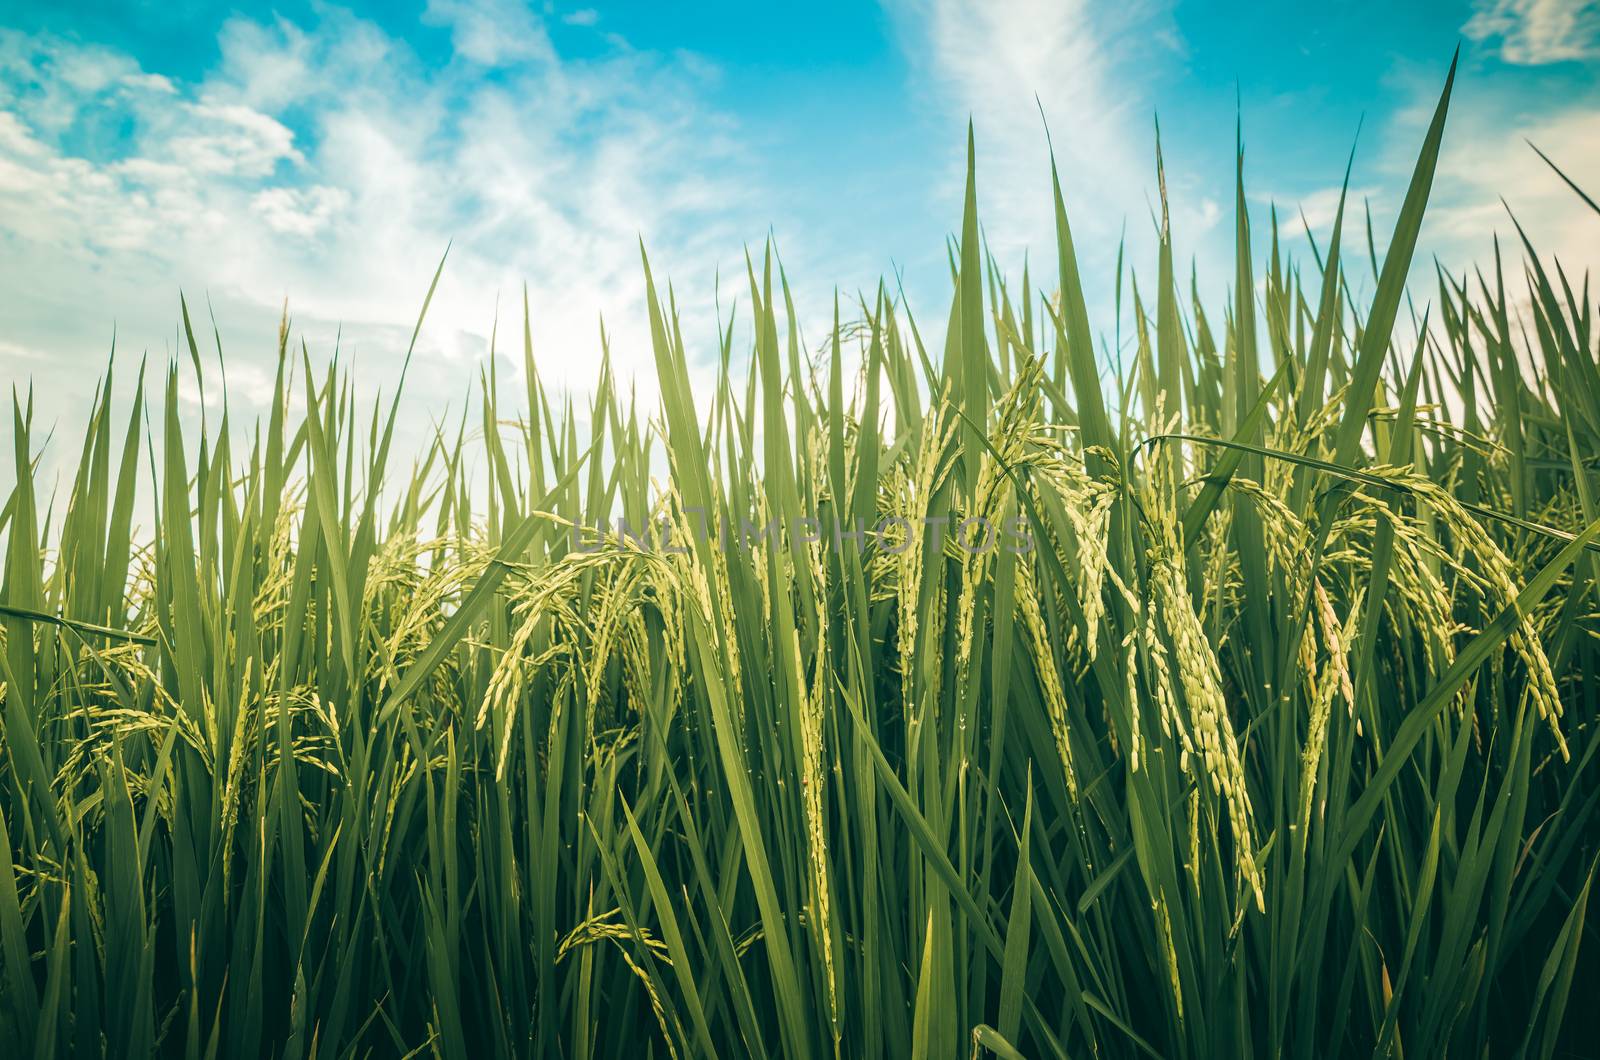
928	693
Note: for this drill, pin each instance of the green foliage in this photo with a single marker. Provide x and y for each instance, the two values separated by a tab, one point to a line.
1279	740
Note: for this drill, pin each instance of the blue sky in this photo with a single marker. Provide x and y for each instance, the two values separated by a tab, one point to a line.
325	153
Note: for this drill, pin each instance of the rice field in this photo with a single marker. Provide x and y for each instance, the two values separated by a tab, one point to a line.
955	687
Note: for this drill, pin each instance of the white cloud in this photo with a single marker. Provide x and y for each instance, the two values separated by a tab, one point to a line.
230	140
1315	210
1488	159
300	211
1533	32
491	32
11	351
1486	175
325	164
1319	208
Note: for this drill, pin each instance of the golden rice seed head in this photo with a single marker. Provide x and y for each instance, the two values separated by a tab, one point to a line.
1194	832
1316	739
1131	669
1200	679
1169	948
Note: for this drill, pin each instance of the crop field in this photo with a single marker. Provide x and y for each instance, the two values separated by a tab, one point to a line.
955	685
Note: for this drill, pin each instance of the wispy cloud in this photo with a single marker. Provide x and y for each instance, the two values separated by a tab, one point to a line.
1493	176
492	32
327	164
1534	32
1090	69
991	62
